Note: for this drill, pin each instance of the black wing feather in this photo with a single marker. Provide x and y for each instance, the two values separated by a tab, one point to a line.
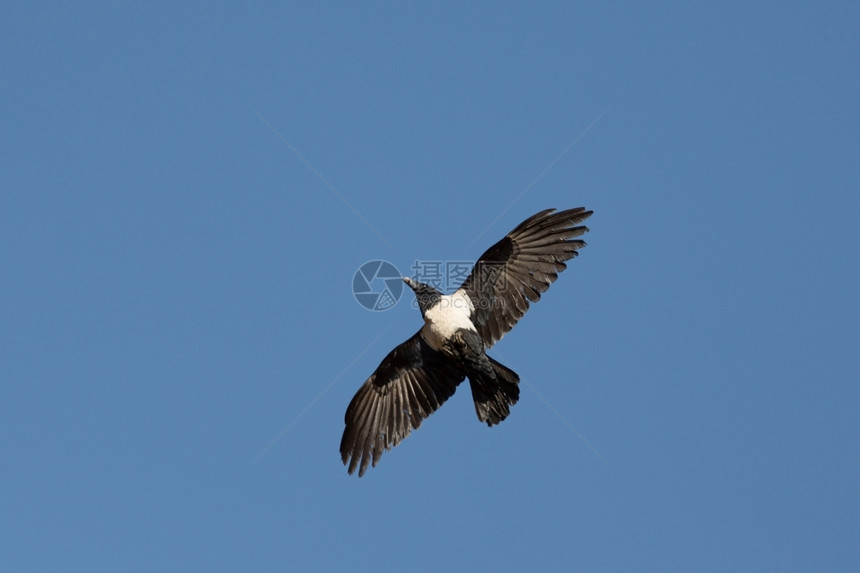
409	385
516	270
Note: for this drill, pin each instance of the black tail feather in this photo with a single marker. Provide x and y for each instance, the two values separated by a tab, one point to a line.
495	396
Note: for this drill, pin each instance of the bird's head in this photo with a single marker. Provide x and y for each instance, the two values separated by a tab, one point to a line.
426	295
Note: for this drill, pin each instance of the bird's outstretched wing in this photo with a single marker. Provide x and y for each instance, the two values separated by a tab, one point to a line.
408	386
517	269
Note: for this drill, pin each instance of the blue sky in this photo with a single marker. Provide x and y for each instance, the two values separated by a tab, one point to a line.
179	339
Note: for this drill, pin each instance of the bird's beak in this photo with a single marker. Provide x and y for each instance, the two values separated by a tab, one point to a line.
409	282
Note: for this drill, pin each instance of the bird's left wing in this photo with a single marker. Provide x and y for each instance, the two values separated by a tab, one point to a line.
409	385
516	270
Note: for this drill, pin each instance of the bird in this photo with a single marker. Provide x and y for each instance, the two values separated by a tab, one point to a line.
420	374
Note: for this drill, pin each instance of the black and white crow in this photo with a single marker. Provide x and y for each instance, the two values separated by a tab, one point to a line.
420	374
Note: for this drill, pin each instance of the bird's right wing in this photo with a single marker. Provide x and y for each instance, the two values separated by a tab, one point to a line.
517	269
409	385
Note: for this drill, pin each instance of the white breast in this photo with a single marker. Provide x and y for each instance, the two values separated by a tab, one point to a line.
452	313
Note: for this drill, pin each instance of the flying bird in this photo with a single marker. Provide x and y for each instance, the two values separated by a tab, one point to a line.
421	373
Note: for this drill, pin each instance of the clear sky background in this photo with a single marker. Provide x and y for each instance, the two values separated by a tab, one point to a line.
179	340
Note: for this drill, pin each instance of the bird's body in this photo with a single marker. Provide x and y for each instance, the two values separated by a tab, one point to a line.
420	374
452	313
